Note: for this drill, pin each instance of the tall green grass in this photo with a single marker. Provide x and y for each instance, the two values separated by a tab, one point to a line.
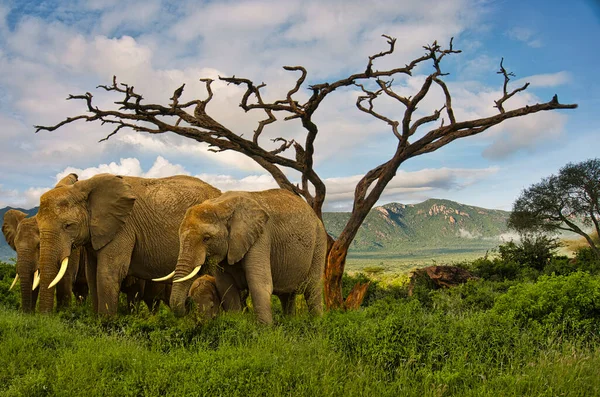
480	339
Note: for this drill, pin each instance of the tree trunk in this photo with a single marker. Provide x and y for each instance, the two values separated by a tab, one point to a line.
336	262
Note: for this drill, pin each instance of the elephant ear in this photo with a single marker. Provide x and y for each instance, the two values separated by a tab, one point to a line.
246	225
67	180
110	201
12	218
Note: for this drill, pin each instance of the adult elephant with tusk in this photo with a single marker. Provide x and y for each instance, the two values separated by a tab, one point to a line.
269	242
128	226
22	235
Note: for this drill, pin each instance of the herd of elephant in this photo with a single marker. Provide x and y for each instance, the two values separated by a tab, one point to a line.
150	237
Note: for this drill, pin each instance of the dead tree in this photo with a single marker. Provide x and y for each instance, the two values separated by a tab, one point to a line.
191	120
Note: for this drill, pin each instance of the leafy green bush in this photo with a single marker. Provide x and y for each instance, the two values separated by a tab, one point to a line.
566	304
533	250
495	269
10	299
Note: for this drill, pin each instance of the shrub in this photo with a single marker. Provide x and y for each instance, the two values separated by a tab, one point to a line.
8	298
568	304
495	269
534	250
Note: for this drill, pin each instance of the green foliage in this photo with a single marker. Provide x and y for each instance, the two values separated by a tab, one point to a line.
8	298
495	269
567	304
483	338
533	250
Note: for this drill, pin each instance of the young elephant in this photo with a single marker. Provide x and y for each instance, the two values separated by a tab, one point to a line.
269	242
204	294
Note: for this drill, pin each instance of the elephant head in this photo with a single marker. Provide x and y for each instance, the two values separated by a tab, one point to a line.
222	229
22	234
204	294
89	212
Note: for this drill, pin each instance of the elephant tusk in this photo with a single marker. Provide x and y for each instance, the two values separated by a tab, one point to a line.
165	278
192	274
36	280
14	281
63	269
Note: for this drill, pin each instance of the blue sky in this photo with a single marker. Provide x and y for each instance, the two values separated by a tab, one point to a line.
49	49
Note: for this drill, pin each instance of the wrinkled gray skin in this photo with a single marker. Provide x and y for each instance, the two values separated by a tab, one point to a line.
22	235
270	242
152	293
128	226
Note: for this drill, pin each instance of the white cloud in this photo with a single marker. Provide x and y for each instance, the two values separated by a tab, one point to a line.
545	80
129	167
406	187
525	35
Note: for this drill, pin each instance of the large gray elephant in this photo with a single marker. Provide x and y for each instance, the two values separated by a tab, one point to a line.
128	226
22	235
270	242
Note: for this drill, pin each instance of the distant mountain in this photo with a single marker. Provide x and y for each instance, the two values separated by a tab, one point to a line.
395	227
5	251
431	224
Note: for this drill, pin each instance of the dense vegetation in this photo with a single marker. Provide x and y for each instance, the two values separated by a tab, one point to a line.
525	328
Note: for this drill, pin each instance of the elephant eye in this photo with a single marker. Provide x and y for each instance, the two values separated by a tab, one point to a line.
69	225
206	238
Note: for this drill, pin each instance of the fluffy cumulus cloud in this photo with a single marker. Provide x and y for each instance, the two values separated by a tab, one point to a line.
128	167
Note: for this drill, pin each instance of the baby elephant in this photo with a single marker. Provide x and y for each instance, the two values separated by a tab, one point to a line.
205	296
269	242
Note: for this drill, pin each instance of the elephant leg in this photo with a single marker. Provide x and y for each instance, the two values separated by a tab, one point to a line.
314	298
229	293
91	273
314	289
288	303
260	283
113	264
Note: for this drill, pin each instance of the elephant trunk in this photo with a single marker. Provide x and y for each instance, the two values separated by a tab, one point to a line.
27	301
26	266
51	254
179	292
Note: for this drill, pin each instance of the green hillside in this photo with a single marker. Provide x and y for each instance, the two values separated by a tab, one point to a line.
433	225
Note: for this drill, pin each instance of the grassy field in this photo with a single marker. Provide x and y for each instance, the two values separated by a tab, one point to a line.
530	336
397	263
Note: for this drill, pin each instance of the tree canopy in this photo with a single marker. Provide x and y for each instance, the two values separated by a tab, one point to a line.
567	201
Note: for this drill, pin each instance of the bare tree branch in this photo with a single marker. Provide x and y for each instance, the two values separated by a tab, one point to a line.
506	95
